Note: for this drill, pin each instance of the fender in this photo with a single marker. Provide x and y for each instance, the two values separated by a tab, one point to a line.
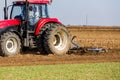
43	21
9	28
8	23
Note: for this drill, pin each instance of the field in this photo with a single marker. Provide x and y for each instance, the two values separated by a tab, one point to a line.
88	66
101	71
91	36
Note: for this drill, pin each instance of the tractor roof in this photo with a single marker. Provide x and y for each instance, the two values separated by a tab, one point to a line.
34	1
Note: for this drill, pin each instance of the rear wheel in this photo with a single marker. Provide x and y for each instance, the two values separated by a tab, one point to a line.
40	39
10	44
57	40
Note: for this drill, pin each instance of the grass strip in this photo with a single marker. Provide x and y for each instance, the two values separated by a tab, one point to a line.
97	71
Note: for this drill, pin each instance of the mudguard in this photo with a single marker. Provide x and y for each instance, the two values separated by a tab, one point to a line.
7	23
43	21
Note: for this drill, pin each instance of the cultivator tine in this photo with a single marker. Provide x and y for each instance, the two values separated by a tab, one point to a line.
75	44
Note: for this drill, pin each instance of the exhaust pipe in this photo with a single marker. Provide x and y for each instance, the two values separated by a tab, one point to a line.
5	10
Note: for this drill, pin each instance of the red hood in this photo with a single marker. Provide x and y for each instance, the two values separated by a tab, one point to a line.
7	23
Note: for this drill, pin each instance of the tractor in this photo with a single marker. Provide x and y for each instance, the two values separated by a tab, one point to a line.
29	26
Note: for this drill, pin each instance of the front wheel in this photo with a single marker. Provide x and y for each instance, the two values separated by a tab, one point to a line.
10	44
57	40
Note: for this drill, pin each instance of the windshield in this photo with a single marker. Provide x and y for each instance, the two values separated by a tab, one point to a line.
18	11
37	11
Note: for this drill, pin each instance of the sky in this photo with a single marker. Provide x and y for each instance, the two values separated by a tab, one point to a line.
82	12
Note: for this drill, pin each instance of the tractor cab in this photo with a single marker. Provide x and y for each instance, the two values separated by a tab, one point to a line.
31	11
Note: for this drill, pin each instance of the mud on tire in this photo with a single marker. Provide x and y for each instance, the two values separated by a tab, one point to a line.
10	44
40	39
57	40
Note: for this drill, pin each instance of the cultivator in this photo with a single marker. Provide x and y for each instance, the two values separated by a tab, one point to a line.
82	50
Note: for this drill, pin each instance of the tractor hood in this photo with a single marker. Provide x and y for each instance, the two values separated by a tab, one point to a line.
8	23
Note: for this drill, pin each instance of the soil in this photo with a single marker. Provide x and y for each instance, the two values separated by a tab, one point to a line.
107	37
33	58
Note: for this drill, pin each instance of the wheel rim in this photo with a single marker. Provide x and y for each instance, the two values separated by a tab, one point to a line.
60	40
11	45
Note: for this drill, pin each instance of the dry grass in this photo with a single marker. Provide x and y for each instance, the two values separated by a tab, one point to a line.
91	36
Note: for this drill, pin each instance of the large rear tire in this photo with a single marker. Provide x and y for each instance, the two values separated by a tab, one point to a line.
40	39
10	44
57	40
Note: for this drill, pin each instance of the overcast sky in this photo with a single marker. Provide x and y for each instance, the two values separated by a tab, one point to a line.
82	12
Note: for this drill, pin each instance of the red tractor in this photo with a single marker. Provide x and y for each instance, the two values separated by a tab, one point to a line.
30	26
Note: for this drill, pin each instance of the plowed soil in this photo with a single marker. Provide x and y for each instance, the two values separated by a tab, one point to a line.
33	58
